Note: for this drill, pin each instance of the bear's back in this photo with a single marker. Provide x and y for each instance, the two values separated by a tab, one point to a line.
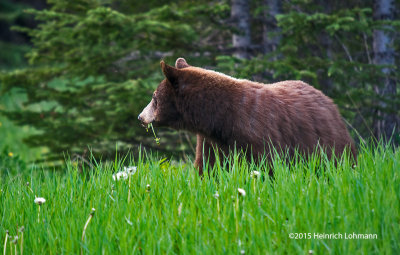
289	114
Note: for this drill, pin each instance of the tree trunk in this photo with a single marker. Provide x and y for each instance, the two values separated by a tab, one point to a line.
241	39
385	121
271	37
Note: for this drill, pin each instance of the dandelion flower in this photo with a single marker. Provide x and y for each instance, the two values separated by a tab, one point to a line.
10	154
242	192
123	175
130	169
15	240
255	174
40	200
120	175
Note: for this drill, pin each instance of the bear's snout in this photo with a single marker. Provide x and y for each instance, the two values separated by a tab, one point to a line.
147	116
140	119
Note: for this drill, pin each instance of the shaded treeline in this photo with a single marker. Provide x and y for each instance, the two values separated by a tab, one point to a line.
94	64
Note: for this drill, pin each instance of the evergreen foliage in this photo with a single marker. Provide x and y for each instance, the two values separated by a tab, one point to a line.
332	50
93	68
94	64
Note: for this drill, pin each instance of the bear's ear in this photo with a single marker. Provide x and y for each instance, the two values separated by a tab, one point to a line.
171	73
181	63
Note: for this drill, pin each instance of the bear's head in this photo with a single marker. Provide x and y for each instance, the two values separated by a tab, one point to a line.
163	109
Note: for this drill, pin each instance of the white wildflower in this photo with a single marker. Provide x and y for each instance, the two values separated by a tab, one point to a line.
15	241
120	175
40	200
123	175
216	195
130	169
255	174
242	192
310	252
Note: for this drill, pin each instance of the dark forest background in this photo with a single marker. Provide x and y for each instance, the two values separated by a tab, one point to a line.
75	74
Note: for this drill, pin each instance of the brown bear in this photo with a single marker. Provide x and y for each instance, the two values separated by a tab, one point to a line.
228	113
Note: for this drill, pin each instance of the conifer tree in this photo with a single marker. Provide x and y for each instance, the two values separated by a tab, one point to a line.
94	66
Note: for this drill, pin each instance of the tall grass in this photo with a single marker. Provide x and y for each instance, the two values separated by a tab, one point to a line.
173	210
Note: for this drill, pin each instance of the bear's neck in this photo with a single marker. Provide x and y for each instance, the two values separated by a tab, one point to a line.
211	111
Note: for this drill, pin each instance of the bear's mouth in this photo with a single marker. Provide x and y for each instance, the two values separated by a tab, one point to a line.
144	121
145	124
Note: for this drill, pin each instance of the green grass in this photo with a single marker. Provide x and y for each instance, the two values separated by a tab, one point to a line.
179	213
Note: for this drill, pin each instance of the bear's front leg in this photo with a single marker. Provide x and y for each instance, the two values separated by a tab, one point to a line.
204	153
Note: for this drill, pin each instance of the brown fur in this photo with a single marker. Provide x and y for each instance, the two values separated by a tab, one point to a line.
228	113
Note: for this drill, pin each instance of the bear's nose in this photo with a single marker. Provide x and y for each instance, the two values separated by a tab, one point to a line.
140	118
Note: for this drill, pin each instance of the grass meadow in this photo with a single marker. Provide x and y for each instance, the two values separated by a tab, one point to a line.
166	208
